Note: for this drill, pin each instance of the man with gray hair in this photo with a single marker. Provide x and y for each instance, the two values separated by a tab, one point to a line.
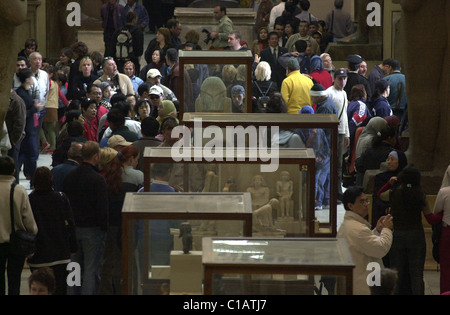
43	86
74	159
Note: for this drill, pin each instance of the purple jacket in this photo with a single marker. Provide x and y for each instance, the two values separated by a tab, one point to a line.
117	16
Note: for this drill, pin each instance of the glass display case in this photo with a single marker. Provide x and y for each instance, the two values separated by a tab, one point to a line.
208	77
273	266
153	239
314	131
281	185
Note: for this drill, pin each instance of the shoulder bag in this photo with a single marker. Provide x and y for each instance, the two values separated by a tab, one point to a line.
21	243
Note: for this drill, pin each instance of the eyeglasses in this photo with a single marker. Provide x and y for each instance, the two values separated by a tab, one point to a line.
364	201
154	97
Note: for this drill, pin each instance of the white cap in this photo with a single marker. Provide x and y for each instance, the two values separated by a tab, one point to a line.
156	90
153	73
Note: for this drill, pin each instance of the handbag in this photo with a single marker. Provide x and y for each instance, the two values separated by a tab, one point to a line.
21	243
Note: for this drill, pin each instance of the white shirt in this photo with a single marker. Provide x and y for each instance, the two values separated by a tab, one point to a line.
340	99
274	13
443	204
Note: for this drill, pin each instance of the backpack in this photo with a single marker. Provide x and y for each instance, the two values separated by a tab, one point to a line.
124	45
263	100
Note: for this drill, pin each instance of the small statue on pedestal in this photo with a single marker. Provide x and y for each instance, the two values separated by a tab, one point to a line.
263	219
186	234
285	188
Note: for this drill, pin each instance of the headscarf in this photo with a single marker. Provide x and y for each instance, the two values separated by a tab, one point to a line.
402	160
375	125
316	64
168	110
446	179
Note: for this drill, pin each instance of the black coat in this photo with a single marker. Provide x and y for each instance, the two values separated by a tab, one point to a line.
56	232
88	196
278	72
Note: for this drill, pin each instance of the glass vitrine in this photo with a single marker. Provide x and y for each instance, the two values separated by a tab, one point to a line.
281	184
318	131
152	241
207	79
274	266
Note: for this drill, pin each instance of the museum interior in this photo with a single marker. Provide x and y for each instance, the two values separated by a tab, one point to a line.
243	219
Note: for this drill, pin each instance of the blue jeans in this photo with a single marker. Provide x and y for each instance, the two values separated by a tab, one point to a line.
91	246
322	188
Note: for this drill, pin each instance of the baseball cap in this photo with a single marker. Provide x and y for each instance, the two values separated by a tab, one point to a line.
153	73
118	140
340	73
237	89
156	90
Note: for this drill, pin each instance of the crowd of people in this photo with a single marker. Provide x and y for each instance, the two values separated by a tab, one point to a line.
95	113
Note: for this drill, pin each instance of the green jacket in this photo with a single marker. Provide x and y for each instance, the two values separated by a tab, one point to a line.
224	28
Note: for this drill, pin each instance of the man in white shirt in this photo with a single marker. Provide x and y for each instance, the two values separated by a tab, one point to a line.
339	96
366	245
43	86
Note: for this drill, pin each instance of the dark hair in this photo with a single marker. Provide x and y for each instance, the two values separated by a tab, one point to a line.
223	9
144	87
172	54
388	282
301	45
116	98
124	107
388	62
161	169
171	23
396	65
72	115
86	102
168	123
61	77
7	165
358	92
350	195
116	116
31	42
149	127
338	4
74	105
384	134
276	104
412	196
43	179
380	87
75	128
139	104
24	74
67	51
272	33
130	17
304	5
21	58
80	48
91	86
45	276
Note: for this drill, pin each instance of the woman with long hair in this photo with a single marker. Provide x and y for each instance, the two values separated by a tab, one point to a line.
262	41
161	41
121	177
379	103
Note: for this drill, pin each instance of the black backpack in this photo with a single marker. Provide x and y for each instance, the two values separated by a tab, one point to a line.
263	101
124	45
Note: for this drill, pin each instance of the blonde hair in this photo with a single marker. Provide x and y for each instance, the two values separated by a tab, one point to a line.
263	71
229	73
85	59
107	154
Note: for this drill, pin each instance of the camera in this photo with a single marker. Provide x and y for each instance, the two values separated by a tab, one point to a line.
208	36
